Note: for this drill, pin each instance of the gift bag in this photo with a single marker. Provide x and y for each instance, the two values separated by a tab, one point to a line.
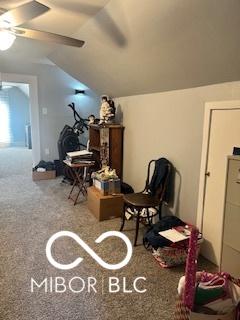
185	302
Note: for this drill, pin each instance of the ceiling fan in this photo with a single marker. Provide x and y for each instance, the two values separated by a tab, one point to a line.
11	19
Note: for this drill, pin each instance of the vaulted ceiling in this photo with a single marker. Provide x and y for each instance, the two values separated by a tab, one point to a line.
135	47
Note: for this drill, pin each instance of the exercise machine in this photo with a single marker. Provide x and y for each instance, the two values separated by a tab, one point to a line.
69	140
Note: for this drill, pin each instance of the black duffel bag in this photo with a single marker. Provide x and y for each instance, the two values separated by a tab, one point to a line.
152	238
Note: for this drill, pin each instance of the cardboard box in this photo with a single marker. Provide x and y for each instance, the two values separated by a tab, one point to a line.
108	187
47	175
104	207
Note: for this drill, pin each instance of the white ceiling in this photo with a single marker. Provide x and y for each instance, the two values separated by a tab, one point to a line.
134	47
65	17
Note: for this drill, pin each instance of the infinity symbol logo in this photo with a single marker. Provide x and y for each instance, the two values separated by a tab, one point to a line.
83	244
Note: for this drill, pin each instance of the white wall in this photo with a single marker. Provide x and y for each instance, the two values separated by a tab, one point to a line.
169	124
55	91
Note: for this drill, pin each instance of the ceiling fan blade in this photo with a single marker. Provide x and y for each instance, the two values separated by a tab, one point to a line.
48	37
23	13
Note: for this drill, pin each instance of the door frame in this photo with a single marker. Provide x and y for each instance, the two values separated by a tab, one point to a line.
34	109
209	108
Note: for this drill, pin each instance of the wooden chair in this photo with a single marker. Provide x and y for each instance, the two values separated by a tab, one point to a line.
144	200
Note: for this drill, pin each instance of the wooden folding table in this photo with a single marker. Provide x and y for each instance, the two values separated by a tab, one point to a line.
79	173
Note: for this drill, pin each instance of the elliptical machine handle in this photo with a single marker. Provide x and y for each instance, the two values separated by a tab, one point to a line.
80	123
75	114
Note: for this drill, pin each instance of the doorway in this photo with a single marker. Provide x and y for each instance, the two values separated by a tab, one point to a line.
34	109
15	129
221	134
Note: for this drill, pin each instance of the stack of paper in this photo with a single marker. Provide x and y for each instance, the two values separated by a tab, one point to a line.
81	156
173	235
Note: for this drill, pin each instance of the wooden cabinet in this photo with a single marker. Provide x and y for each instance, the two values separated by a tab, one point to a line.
107	141
230	261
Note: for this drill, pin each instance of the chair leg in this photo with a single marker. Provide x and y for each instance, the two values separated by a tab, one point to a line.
123	217
137	228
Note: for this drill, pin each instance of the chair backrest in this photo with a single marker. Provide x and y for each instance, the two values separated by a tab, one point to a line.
158	184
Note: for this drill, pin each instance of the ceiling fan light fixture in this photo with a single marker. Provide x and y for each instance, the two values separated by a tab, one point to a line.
6	40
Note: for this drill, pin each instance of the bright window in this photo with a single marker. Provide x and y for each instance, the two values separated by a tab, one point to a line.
5	133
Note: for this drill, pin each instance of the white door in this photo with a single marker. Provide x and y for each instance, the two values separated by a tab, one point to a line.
224	135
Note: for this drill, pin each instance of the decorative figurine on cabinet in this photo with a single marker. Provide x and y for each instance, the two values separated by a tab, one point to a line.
107	110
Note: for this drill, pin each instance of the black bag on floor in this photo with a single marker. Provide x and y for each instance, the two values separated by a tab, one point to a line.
152	239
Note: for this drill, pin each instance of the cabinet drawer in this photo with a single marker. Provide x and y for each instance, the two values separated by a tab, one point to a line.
233	183
230	261
231	230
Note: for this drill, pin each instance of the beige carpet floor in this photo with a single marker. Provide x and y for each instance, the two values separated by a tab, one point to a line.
30	213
